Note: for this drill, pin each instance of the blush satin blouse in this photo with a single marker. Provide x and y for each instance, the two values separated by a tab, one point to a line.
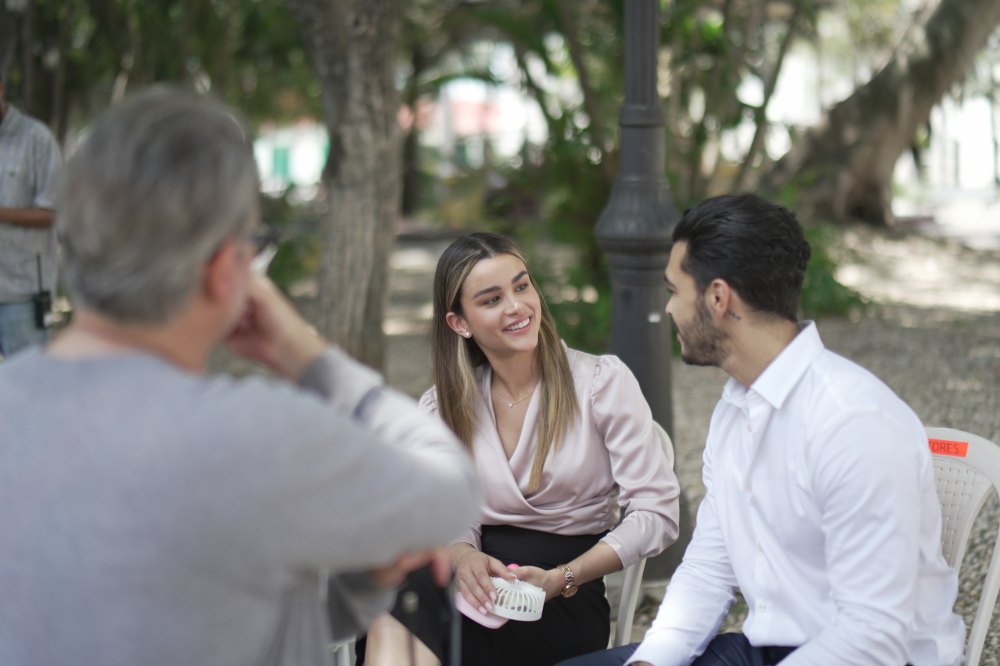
609	464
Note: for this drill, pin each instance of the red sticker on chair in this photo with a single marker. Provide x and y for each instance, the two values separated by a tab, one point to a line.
947	447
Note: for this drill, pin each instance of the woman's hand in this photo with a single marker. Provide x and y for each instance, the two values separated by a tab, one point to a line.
473	570
551	580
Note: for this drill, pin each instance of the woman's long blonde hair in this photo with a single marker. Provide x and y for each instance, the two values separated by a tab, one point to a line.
456	358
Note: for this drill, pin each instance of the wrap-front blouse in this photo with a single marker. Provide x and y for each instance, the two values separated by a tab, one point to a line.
609	463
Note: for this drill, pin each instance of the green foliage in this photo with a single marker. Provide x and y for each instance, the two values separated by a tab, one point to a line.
551	204
822	293
873	27
581	308
84	53
298	256
460	205
555	204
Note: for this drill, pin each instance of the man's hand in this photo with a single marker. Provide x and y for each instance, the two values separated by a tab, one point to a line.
394	574
271	332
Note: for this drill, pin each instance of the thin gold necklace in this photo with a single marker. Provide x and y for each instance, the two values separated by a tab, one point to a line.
511	404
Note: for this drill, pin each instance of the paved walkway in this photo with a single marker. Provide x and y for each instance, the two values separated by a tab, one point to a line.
934	338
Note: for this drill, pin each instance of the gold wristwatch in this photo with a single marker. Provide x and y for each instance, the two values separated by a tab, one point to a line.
569	589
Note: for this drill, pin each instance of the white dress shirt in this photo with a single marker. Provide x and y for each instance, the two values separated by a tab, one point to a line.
821	508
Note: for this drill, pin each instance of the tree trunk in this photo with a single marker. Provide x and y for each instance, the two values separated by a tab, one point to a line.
57	113
760	113
8	42
411	142
719	102
352	45
994	129
28	62
536	91
843	168
231	36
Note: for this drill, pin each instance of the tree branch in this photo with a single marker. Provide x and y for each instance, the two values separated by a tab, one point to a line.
760	113
566	11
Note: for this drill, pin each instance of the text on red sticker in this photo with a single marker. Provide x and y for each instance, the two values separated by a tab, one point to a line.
947	447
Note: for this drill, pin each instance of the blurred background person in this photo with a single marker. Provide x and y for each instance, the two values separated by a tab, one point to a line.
29	160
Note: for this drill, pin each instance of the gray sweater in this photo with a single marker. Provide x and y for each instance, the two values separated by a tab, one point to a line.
151	516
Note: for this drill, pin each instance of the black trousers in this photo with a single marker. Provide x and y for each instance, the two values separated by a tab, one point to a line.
730	649
568	627
724	650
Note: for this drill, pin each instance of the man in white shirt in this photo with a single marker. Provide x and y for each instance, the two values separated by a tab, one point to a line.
820	501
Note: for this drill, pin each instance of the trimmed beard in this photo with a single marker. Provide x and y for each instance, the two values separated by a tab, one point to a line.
704	343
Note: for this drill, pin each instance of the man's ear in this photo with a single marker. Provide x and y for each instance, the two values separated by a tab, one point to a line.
718	297
457	323
222	273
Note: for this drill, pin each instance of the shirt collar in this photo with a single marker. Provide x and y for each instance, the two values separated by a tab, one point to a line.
10	120
785	371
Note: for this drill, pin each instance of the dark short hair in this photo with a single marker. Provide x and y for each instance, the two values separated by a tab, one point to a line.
756	246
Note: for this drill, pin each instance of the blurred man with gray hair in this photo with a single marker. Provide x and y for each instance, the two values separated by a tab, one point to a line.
29	159
150	514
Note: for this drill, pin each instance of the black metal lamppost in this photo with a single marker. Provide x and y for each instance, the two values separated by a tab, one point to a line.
634	231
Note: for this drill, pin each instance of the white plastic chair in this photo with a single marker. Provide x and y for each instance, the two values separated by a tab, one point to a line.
633	574
967	471
343	652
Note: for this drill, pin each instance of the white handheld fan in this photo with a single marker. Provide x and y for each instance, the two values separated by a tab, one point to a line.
518	600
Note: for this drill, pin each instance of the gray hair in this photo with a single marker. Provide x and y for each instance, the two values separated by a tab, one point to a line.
159	182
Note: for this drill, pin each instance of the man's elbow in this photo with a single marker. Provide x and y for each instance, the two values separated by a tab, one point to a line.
468	499
454	497
47	218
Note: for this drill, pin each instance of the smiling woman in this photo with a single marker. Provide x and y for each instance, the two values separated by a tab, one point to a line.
500	308
564	445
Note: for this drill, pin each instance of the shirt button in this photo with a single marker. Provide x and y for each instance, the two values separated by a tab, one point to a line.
762	607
